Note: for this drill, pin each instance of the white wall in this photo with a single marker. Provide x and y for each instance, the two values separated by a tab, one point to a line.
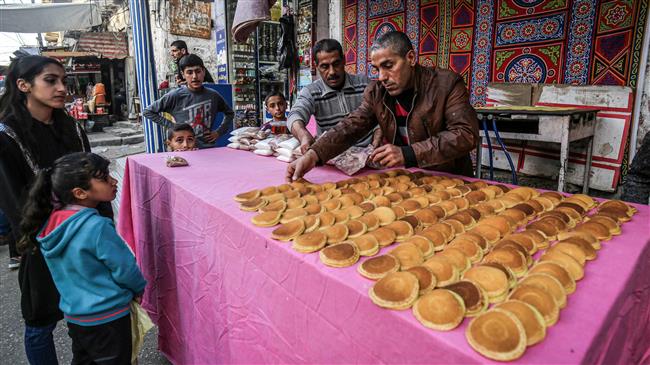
644	117
161	39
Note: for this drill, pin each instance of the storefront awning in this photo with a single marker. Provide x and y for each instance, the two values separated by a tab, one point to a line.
104	44
41	18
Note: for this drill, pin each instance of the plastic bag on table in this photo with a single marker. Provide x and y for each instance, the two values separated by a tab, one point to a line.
140	325
352	160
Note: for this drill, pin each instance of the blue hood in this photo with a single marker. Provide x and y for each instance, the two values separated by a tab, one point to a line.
54	244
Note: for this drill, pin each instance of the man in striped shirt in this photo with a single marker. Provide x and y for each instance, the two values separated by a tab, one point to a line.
329	99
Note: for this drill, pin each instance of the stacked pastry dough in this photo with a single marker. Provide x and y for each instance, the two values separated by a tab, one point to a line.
456	247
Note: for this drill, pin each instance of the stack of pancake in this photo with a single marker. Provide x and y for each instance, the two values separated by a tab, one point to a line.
456	247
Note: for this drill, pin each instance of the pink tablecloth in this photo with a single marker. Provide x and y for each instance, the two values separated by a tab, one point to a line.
222	292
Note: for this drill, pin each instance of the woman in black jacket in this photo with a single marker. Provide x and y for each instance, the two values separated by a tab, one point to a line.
35	130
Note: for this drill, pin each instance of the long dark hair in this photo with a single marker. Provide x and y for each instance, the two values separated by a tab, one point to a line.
52	189
13	103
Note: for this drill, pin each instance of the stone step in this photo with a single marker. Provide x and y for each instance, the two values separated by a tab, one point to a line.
127	124
109	139
122	132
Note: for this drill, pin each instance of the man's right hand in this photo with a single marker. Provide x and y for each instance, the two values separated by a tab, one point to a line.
305	142
301	166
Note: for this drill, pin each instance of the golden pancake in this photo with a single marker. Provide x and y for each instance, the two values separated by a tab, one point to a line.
413	221
376	268
577	201
572	213
354	211
455	193
426	279
608	222
437	239
463	217
356	228
291	214
549	284
340	255
475	238
516	215
296	203
540	240
510	258
448	206
330	205
371	221
457	258
441	310
497	205
464	189
385	215
444	271
384	236
569	263
553	195
505	243
461	203
475	213
266	219
426	217
489	233
618	205
512	279
327	219
439	212
497	334
446	230
253	205
476	197
397	290
572	250
329	185
395	198
576	207
417	192
324	196
593	241
524	192
455	225
510	201
469	248
558	223
399	212
284	188
540	299
547	228
524	241
381	201
336	233
474	298
584	245
492	280
568	221
597	229
274	197
530	318
367	207
410	206
615	213
500	223
589	201
557	271
247	196
367	244
422	200
525	208
312	222
310	199
269	191
478	184
495	189
402	229
408	254
309	242
545	202
340	216
289	231
423	243
312	209
433	199
276	206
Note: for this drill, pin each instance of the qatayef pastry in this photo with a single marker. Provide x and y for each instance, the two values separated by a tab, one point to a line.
309	242
540	299
289	231
376	268
530	318
397	290
441	310
340	255
426	279
498	335
492	280
473	296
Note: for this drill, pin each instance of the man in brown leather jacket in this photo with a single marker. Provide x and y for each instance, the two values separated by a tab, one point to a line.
424	114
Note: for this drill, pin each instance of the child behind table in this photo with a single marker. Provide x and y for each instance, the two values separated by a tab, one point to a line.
276	105
181	137
92	268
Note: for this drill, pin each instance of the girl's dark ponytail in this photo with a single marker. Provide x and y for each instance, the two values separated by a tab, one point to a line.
36	210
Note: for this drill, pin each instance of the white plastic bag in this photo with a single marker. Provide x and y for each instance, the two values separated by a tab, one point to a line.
289	144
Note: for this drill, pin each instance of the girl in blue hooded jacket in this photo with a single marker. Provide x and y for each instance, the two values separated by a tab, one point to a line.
92	267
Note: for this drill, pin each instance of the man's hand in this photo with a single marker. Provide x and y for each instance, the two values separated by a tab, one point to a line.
388	155
305	142
301	166
210	137
180	81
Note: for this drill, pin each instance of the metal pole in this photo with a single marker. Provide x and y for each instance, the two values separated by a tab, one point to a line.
145	71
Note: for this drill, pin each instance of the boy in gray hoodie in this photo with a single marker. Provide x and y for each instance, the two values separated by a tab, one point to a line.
194	105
